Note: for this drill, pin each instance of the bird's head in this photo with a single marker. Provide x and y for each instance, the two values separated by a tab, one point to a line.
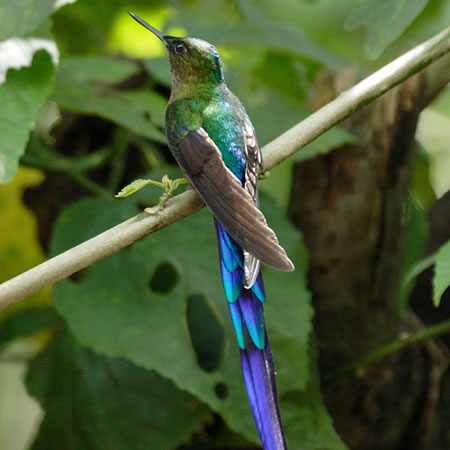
192	61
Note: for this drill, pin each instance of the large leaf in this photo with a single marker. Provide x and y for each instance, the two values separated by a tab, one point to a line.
414	245
18	52
20	17
21	96
433	134
95	402
26	323
307	421
385	21
94	69
323	22
442	103
422	190
135	304
159	68
251	29
24	30
441	279
81	86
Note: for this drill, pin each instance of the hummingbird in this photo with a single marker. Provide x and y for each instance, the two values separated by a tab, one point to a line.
212	139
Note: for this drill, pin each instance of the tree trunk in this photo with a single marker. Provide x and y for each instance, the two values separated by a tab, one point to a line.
350	205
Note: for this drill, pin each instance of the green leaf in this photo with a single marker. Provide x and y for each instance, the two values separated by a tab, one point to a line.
422	190
26	322
135	186
149	103
17	53
332	139
307	422
434	135
442	103
253	29
21	96
414	245
95	402
291	82
81	86
100	69
385	21
305	417
441	279
20	17
270	112
135	302
158	67
167	185
279	183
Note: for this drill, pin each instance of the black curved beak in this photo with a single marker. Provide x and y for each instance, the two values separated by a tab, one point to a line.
149	27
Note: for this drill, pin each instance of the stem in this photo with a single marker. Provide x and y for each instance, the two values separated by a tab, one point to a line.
118	154
91	186
388	349
48	160
45	158
187	203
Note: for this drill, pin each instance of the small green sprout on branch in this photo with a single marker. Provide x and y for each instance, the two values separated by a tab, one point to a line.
166	184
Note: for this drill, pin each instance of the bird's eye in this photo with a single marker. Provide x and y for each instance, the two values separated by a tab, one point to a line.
180	49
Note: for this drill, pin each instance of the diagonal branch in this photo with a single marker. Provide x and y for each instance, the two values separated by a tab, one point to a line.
359	95
124	234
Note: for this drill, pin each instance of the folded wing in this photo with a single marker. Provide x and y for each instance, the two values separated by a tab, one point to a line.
230	203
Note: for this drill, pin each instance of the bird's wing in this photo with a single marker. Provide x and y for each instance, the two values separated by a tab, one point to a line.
253	165
230	203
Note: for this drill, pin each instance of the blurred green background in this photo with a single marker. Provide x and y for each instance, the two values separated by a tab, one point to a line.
119	356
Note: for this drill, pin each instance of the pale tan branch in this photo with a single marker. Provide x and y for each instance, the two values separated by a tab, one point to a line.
131	230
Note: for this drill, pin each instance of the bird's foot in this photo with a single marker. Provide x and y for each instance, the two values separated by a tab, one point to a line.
166	184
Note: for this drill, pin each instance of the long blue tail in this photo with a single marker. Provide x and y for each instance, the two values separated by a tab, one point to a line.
246	308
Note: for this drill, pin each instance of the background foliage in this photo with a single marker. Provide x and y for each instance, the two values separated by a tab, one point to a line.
128	359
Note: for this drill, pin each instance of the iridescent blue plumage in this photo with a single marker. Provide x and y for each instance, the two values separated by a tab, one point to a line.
212	139
246	308
245	304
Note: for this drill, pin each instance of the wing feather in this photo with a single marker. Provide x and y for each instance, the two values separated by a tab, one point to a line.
230	203
254	163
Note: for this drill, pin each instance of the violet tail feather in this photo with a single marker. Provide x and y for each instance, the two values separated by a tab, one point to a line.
246	308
